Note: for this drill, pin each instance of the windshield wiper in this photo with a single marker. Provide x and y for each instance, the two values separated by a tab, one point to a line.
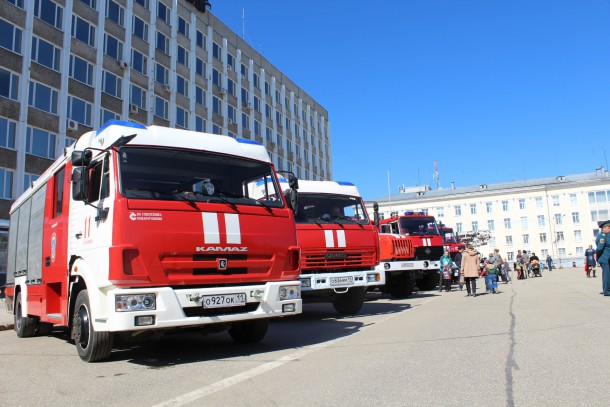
170	193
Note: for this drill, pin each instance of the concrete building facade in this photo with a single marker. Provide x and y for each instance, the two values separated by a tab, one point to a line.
549	216
69	66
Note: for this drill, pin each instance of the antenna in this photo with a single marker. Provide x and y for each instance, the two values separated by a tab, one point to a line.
436	174
243	23
606	159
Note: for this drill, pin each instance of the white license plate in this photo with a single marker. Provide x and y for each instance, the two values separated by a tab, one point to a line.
347	280
405	265
224	300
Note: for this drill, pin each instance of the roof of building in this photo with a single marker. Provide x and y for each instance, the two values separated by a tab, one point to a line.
600	174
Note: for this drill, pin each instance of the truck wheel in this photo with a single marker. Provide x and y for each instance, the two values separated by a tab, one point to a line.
403	286
90	345
349	303
249	331
428	281
24	326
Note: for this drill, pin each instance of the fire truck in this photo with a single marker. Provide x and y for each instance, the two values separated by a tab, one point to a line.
411	248
136	231
451	240
339	245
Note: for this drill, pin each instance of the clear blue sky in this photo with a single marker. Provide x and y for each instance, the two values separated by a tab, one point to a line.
494	90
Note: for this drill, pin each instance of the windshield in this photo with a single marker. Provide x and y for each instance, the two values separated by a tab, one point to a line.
418	226
449	237
325	208
171	174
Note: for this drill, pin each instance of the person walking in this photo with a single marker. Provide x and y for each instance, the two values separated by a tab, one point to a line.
590	261
603	255
491	270
470	270
523	261
499	261
506	270
446	274
457	260
549	262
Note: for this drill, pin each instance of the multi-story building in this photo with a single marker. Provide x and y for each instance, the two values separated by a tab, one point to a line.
69	66
549	216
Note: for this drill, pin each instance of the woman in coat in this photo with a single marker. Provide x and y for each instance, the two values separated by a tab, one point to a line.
470	270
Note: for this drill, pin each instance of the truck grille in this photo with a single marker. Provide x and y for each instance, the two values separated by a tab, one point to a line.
337	259
211	312
179	267
429	252
402	248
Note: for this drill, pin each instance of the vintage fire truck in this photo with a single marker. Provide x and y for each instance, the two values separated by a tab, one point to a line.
450	240
411	247
141	230
339	245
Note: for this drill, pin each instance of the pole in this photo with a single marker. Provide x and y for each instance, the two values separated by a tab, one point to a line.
389	192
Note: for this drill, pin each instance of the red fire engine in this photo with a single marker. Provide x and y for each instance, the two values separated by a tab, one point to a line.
339	245
451	240
411	247
138	230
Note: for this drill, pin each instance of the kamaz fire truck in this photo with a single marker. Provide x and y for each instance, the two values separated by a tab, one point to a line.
141	230
339	245
411	247
451	240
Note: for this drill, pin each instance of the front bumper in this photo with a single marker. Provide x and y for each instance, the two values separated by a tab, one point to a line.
341	281
408	265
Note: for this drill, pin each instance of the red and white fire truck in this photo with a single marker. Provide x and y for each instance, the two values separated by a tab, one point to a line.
451	240
139	230
411	248
339	245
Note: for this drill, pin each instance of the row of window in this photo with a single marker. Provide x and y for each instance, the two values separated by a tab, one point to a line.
557	220
506	205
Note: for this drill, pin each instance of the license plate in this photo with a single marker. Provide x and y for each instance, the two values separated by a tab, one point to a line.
224	300
347	280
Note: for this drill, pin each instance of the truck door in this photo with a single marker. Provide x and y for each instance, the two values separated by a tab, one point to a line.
54	249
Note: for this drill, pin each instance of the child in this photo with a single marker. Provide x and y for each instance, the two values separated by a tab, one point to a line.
491	268
446	272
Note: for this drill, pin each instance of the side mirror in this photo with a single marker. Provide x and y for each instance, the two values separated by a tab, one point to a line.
376	214
80	184
292	196
81	158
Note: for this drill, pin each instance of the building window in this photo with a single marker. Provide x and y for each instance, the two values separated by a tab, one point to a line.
45	53
540	220
199	96
231	113
492	241
83	31
230	62
162	42
505	206
440	212
475	226
9	84
491	225
40	143
183	56
6	183
115	13
458	210
140	28
507	223
138	96
200	40
245	121
542	237
28	179
562	252
216	106
544	252
255	80
43	97
526	239
216	51
558	218
216	77
90	3
578	235
592	197
79	110
81	70
48	11
538	202
216	129
18	3
182	119
199	124
161	107
573	200
521	203
10	37
139	62
113	47
143	3
458	227
559	237
199	67
510	256
163	12
489	207
523	222
600	196
107	115
257	129
576	217
183	27
555	200
8	129
161	74
112	84
509	240
182	86
580	251
244	71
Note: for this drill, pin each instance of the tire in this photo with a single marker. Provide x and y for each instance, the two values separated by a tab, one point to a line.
24	326
428	281
349	303
403	286
91	346
249	331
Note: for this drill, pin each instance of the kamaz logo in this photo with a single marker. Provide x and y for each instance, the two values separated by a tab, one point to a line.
221	249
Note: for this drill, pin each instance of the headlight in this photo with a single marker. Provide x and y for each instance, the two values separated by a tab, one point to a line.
290	292
305	282
386	266
372	278
140	302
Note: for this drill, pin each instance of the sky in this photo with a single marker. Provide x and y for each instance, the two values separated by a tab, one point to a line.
493	90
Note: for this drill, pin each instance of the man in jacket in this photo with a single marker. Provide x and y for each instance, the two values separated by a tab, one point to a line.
603	255
470	270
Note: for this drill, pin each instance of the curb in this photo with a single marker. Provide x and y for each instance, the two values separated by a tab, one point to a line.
6	327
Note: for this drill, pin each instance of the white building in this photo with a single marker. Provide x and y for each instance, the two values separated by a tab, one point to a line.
548	216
